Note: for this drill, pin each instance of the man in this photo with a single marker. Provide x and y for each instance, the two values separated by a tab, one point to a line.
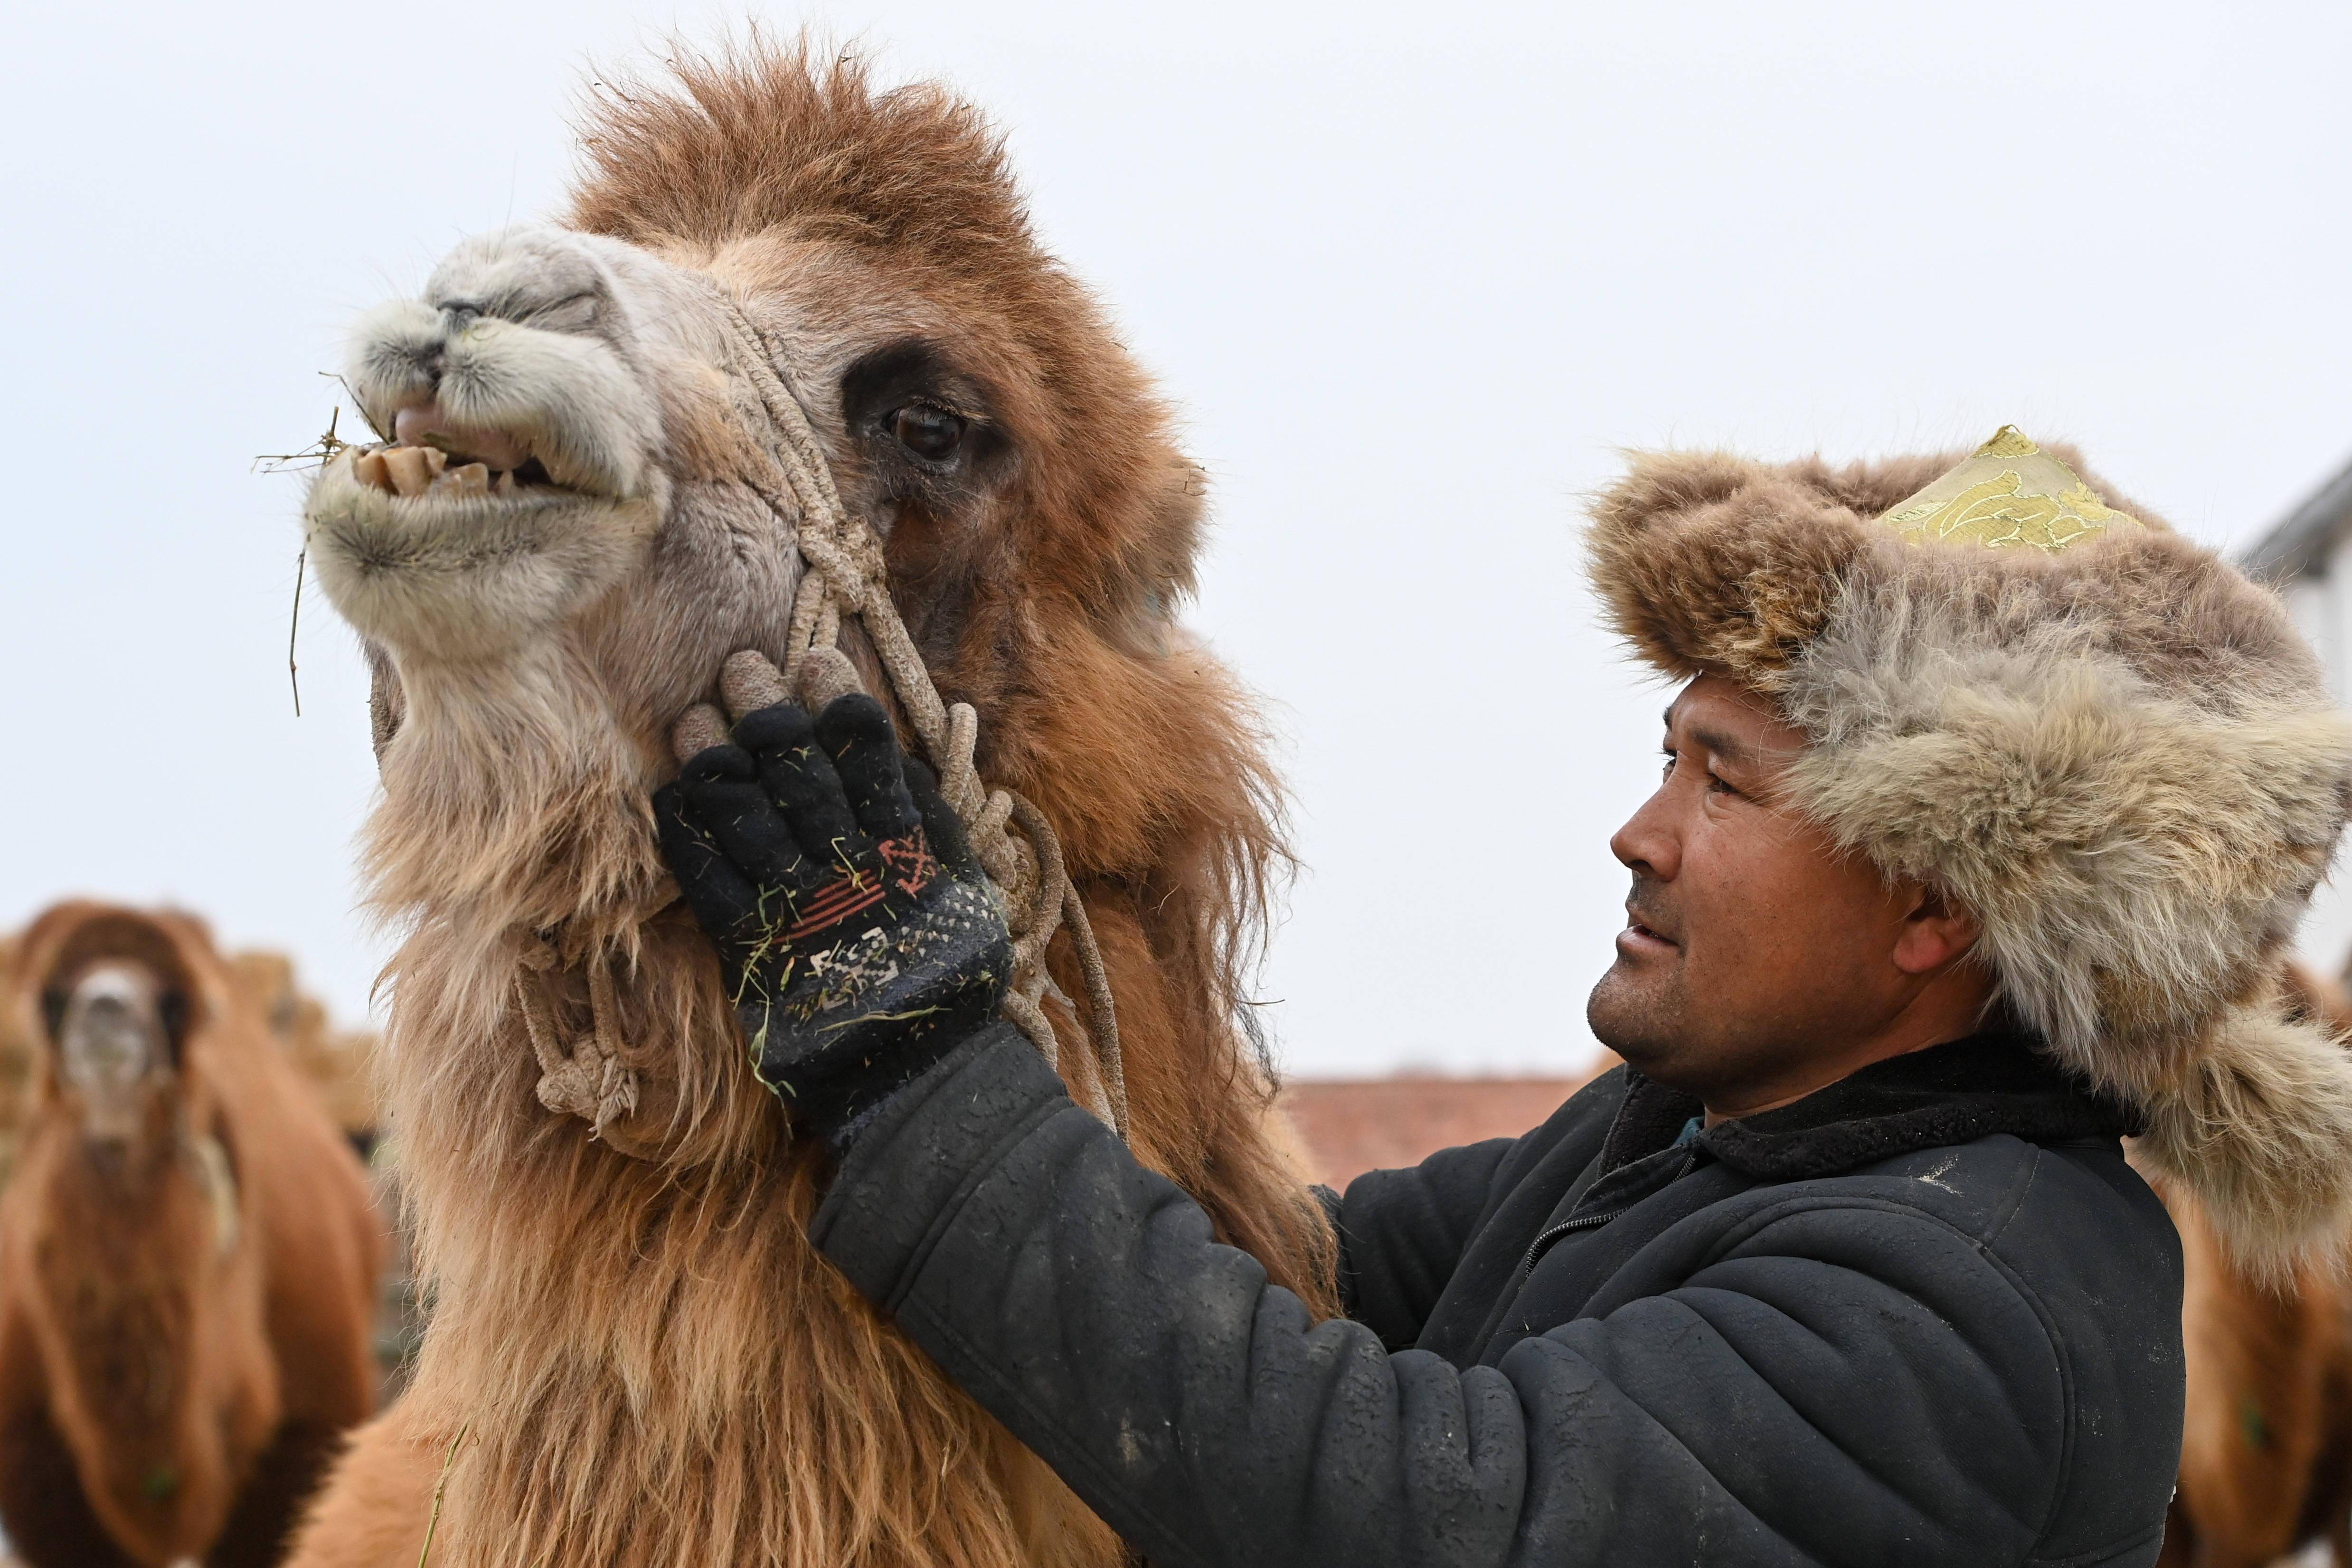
1985	812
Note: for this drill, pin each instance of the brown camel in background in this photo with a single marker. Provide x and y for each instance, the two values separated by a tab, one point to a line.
333	1061
187	1258
636	1357
2266	1445
337	1064
18	1052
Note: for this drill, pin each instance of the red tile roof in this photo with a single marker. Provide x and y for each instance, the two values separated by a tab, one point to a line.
1348	1127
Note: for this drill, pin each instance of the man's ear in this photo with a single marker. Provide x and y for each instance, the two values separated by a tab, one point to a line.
1936	933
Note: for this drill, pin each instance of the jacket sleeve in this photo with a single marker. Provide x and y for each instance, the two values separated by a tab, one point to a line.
1858	1385
1401	1232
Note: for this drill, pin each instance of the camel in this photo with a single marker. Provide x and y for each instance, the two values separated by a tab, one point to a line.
334	1061
634	1356
18	1055
2266	1443
187	1259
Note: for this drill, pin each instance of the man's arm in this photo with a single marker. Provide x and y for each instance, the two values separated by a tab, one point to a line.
1859	1385
1402	1233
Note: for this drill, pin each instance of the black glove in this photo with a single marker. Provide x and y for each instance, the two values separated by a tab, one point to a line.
860	939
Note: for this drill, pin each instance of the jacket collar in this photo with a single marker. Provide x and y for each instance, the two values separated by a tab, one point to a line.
1954	1093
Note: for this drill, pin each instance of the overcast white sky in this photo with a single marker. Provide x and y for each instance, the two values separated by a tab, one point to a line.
1416	274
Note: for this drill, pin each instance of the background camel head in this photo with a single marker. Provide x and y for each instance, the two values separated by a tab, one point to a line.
114	996
557	547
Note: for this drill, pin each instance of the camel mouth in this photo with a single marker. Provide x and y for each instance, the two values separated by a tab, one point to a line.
455	560
431	454
451	473
517	472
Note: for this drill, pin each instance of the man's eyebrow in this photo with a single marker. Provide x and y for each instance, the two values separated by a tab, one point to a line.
1730	748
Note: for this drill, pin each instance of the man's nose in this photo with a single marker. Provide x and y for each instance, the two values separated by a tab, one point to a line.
1647	842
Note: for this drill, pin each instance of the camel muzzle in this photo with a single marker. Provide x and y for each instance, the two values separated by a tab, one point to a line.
112	1043
523	390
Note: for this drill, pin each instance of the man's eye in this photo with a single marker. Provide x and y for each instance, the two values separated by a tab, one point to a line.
1716	786
931	434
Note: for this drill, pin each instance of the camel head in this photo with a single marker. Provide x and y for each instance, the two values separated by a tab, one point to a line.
116	995
560	540
126	1106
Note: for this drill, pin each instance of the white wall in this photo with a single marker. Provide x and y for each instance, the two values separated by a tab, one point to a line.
2321	604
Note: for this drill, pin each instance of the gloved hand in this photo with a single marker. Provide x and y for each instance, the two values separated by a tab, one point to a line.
860	939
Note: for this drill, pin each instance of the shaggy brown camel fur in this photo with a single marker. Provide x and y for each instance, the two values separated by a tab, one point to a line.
190	1257
635	1356
2266	1445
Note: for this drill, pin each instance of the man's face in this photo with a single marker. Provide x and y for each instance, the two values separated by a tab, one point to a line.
1751	945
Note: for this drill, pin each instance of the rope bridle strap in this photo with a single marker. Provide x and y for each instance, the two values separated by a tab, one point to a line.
846	577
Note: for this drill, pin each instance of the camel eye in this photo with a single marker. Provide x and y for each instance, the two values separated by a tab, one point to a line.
931	434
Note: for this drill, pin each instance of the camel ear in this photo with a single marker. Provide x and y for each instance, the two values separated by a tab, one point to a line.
2258	1126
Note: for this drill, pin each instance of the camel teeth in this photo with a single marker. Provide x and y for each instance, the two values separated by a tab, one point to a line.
473	479
369	468
410	468
504	484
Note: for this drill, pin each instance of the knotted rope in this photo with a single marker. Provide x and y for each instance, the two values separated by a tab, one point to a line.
588	1079
847	576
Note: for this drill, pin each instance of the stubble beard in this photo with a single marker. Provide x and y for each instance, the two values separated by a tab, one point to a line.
1640	1018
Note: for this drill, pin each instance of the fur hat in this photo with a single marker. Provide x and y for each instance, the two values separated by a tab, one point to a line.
2102	739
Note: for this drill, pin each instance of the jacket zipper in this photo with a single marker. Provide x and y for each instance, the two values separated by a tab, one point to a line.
1542	1243
1544	1239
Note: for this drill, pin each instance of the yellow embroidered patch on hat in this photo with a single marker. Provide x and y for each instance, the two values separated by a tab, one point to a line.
2007	492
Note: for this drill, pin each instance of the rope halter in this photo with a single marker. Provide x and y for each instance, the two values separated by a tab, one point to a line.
847	577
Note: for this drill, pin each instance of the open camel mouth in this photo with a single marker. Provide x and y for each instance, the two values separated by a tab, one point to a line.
432	455
462	537
417	471
421	470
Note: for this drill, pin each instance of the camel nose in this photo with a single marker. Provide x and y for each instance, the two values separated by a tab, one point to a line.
110	1042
